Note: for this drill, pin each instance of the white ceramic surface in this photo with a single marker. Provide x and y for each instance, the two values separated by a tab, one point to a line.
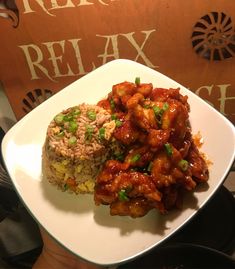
74	221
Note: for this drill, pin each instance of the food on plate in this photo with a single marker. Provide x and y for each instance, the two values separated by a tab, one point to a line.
134	149
160	161
78	141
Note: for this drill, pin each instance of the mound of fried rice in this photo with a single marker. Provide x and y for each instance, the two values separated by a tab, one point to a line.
78	142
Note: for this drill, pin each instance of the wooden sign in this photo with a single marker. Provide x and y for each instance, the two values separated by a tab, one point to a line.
47	44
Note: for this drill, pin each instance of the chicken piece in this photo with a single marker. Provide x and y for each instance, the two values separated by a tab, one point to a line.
176	119
122	191
183	146
145	89
109	170
161	171
124	99
157	138
139	157
135	208
103	196
135	184
198	165
183	178
140	116
172	197
189	183
127	133
134	101
142	137
163	95
120	94
105	104
176	156
143	117
124	88
166	171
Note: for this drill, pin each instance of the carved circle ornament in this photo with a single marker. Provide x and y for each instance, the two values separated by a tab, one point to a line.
35	98
213	37
9	11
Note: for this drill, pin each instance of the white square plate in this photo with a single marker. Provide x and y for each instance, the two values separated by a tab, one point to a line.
74	221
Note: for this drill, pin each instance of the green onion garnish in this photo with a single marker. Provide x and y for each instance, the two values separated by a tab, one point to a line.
89	132
157	110
72	126
113	117
68	117
169	150
72	140
66	186
60	134
165	107
150	167
123	196
91	114
137	80
158	114
102	133
59	118
112	104
183	164
119	156
118	123
146	106
135	158
76	112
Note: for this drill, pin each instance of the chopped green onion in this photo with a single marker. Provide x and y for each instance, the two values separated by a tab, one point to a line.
91	114
112	104
158	114
146	106
76	112
137	80
135	158
150	167
169	149
72	140
183	164
60	134
113	117
123	196
73	126
157	110
68	117
89	132
66	186
59	118
119	157
102	133
118	123
165	107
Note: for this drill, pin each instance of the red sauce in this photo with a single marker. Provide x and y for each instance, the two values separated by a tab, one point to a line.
160	157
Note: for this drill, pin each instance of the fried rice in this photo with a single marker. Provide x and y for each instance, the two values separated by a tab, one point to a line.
78	142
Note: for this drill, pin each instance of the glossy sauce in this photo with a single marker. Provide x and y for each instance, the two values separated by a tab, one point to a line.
160	159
